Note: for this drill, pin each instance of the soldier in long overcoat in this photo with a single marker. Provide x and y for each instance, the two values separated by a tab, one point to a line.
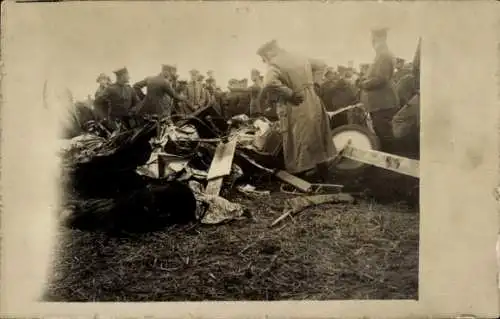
304	124
378	94
159	93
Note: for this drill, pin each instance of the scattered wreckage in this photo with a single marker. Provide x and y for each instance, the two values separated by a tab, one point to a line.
179	171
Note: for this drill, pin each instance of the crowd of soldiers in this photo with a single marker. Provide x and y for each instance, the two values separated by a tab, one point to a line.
385	87
339	87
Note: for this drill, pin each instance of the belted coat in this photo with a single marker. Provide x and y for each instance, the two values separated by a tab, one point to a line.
305	128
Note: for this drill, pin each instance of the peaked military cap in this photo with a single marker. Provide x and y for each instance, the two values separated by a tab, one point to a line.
268	46
121	71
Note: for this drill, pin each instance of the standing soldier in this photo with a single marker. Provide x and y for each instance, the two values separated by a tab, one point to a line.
183	107
211	78
244	83
104	81
159	93
349	76
231	99
304	123
100	109
406	123
326	90
174	77
363	70
378	94
210	91
255	108
244	97
194	91
400	70
118	99
205	98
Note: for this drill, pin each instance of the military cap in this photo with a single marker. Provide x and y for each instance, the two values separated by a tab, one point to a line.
102	76
168	67
121	71
266	47
379	32
329	70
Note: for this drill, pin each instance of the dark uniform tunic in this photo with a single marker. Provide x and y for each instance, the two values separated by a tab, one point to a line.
158	99
244	99
118	100
380	98
336	95
99	108
196	94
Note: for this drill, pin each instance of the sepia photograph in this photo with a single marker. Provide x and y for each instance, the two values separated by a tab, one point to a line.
266	158
257	162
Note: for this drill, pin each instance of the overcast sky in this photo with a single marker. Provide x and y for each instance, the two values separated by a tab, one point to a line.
80	40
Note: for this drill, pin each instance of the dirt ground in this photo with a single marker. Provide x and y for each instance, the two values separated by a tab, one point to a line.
358	251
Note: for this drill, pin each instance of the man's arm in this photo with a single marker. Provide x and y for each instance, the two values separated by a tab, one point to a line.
317	65
272	79
138	88
167	87
203	96
383	69
135	99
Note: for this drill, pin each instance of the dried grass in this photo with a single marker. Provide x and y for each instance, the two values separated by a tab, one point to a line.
362	251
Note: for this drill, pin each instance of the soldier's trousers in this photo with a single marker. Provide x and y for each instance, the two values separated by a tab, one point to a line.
382	124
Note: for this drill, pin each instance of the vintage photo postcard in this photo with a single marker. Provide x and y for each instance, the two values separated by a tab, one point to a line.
250	159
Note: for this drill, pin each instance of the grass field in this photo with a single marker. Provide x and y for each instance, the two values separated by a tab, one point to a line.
360	251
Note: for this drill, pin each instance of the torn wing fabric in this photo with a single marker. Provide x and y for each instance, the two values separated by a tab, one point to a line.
215	209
